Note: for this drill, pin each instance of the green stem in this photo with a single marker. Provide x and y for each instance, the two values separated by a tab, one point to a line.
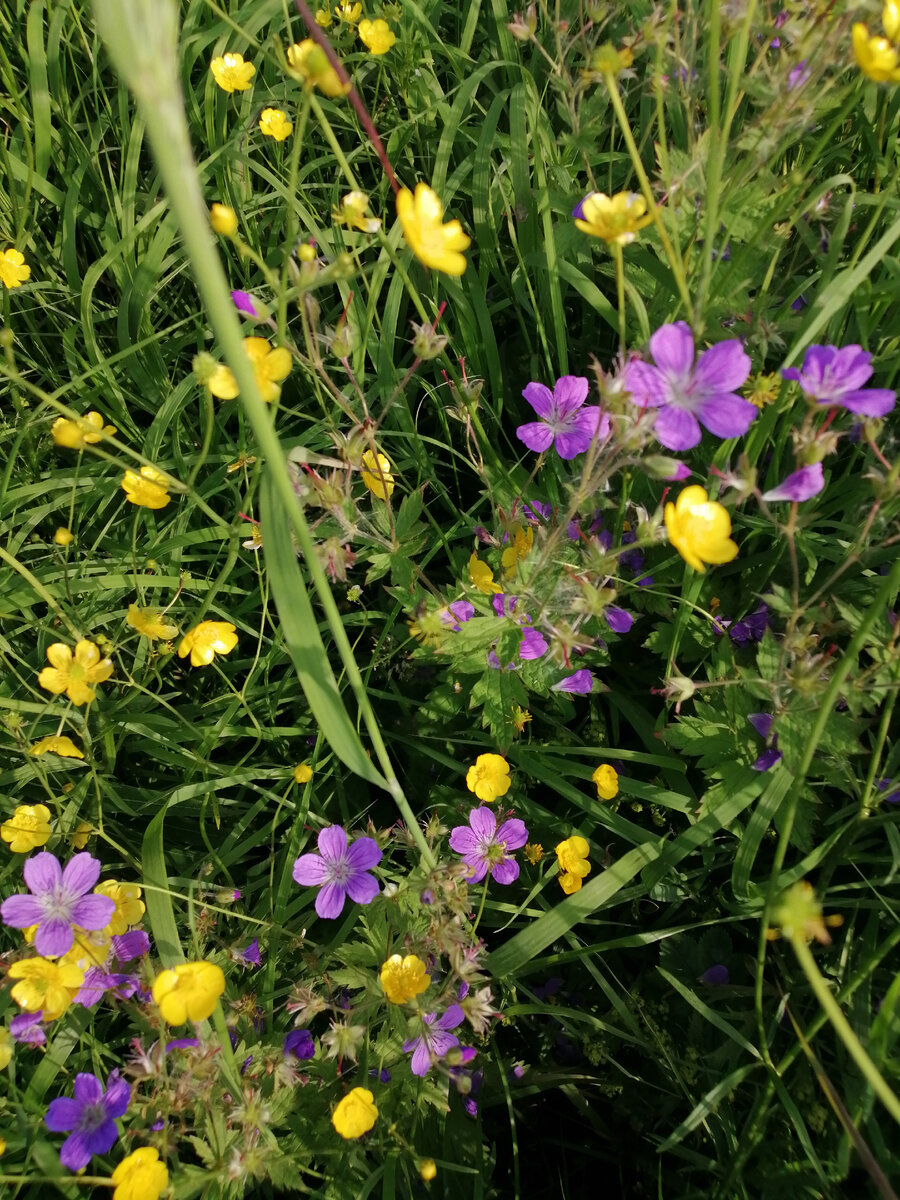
852	1043
620	291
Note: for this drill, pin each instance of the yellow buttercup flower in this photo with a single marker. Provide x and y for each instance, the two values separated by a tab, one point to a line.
876	57
323	18
489	777
433	243
612	218
610	60
89	949
63	536
231	73
376	36
27	829
517	550
348	13
534	852
189	991
404	978
482	576
572	856
311	64
140	1176
607	780
150	623
206	640
376	475
86	431
890	19
223	220
303	773
355	1114
352	212
271	364
147	488
44	986
13	268
74	673
129	906
699	529
427	1169
59	744
83	831
275	124
6	1050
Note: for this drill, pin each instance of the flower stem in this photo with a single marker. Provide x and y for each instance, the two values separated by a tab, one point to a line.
620	291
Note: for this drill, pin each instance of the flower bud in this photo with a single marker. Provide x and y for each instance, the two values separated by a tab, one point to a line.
204	367
223	220
427	343
522	27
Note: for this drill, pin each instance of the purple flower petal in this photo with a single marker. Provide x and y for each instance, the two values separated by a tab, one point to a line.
722	368
332	843
618	619
91	992
726	415
131	945
580	683
75	1152
42	873
676	428
463	840
512	834
243	302
299	1043
88	1089
421	1058
54	937
21	911
483	822
363	854
536	435
450	1019
580	432
93	912
800	485
443	1043
506	871
873	402
81	873
762	723
27	1028
715	976
767	759
330	900
533	645
648	386
672	347
118	1095
540	398
362	888
310	870
569	394
62	1115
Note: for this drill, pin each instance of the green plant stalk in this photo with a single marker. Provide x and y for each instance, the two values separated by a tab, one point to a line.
852	1043
620	290
144	52
652	207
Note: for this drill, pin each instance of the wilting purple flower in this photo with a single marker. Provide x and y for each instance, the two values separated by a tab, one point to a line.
715	976
762	723
798	76
617	618
58	901
339	870
128	946
89	1119
563	419
299	1043
533	644
883	785
456	614
484	847
580	683
251	957
800	485
243	302
27	1028
96	981
534	512
750	628
435	1040
835	377
383	1076
687	393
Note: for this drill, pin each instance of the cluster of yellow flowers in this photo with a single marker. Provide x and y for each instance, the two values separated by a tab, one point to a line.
879	57
376	36
572	856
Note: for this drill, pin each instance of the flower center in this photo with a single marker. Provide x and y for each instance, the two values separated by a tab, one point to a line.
92	1117
57	905
76	671
339	872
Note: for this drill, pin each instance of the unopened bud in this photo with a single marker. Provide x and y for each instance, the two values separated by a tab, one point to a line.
522	27
427	343
204	367
223	220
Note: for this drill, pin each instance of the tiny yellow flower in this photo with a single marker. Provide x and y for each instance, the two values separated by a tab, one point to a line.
129	906
147	488
74	673
63	536
150	623
303	773
482	576
27	829
83	831
206	640
376	36
534	852
427	1169
352	212
609	60
231	73
311	64
876	57
607	781
2	1146
140	1176
699	529
44	986
348	13
404	978
572	856
612	218
355	1114
433	243
376	475
521	717
489	777
59	744
274	124
517	550
323	18
86	431
190	991
13	269
764	388
6	1050
798	914
271	365
223	220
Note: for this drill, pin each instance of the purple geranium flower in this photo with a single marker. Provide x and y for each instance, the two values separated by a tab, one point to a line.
580	683
435	1040
58	901
617	618
89	1119
339	870
798	76
800	485
243	302
299	1043
250	955
533	644
131	945
831	376
456	614
484	847
534	512
27	1028
563	419
762	723
751	628
686	392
